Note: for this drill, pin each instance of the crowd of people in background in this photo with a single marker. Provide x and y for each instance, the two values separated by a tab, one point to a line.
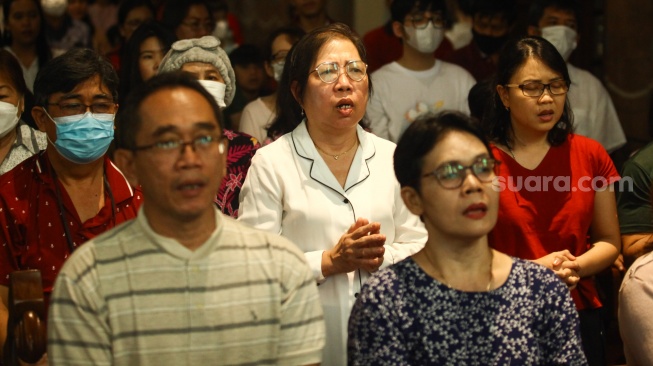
438	190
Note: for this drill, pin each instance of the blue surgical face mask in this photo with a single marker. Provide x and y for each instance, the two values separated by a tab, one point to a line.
83	138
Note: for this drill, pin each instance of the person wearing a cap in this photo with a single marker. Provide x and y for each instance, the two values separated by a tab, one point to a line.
209	63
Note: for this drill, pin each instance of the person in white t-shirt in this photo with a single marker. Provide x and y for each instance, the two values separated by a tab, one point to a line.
260	113
594	114
417	83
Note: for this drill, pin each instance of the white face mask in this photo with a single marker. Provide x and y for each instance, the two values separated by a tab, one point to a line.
216	89
562	37
277	69
55	8
425	40
8	117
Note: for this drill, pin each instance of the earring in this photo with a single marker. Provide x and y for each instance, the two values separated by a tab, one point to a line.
507	108
302	112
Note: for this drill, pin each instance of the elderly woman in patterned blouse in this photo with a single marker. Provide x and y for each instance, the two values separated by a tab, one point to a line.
458	301
204	58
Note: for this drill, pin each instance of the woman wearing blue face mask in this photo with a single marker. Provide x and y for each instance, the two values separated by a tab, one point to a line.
18	140
259	114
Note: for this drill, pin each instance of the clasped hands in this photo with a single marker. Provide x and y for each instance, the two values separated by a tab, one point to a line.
360	247
564	265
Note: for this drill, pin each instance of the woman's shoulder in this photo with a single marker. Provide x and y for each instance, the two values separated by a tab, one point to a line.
583	142
535	276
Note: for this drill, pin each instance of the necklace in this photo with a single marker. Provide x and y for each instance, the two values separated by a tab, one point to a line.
446	283
511	152
337	156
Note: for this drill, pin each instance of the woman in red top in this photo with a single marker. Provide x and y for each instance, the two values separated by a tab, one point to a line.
557	202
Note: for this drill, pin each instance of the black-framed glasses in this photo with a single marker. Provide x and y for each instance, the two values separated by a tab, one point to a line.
420	21
329	72
452	175
199	144
536	89
74	108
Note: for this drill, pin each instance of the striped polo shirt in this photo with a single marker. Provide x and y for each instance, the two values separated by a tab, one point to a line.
133	297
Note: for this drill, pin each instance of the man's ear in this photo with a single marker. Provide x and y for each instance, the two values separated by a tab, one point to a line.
534	31
412	200
40	118
124	160
398	29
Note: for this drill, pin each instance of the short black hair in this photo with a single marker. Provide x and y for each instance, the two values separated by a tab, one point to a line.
246	54
536	10
422	136
126	6
496	121
129	119
480	97
65	72
175	11
507	9
400	8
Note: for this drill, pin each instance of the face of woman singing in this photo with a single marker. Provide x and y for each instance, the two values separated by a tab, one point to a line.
340	104
533	113
467	211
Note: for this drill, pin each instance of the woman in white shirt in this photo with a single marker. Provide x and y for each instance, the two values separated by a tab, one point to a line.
329	185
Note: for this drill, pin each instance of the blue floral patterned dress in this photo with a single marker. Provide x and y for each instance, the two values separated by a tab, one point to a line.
405	317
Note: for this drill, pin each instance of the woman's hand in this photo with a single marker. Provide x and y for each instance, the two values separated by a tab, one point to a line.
360	247
564	265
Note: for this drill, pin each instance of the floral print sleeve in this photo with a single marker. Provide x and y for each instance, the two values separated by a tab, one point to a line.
242	148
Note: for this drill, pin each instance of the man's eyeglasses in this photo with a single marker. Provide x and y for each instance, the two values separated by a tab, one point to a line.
420	21
452	175
196	25
536	89
329	72
199	144
74	108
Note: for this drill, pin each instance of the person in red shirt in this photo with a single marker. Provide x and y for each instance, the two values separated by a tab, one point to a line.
557	201
53	202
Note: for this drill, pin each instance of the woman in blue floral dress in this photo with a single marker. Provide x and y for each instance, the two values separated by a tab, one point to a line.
457	301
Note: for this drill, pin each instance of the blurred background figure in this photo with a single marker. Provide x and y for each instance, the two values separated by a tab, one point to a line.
143	53
383	47
131	14
24	36
62	31
635	302
227	27
492	22
18	140
247	62
417	83
188	18
258	115
104	15
78	9
309	14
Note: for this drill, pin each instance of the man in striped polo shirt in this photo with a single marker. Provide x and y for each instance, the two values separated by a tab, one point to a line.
182	284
